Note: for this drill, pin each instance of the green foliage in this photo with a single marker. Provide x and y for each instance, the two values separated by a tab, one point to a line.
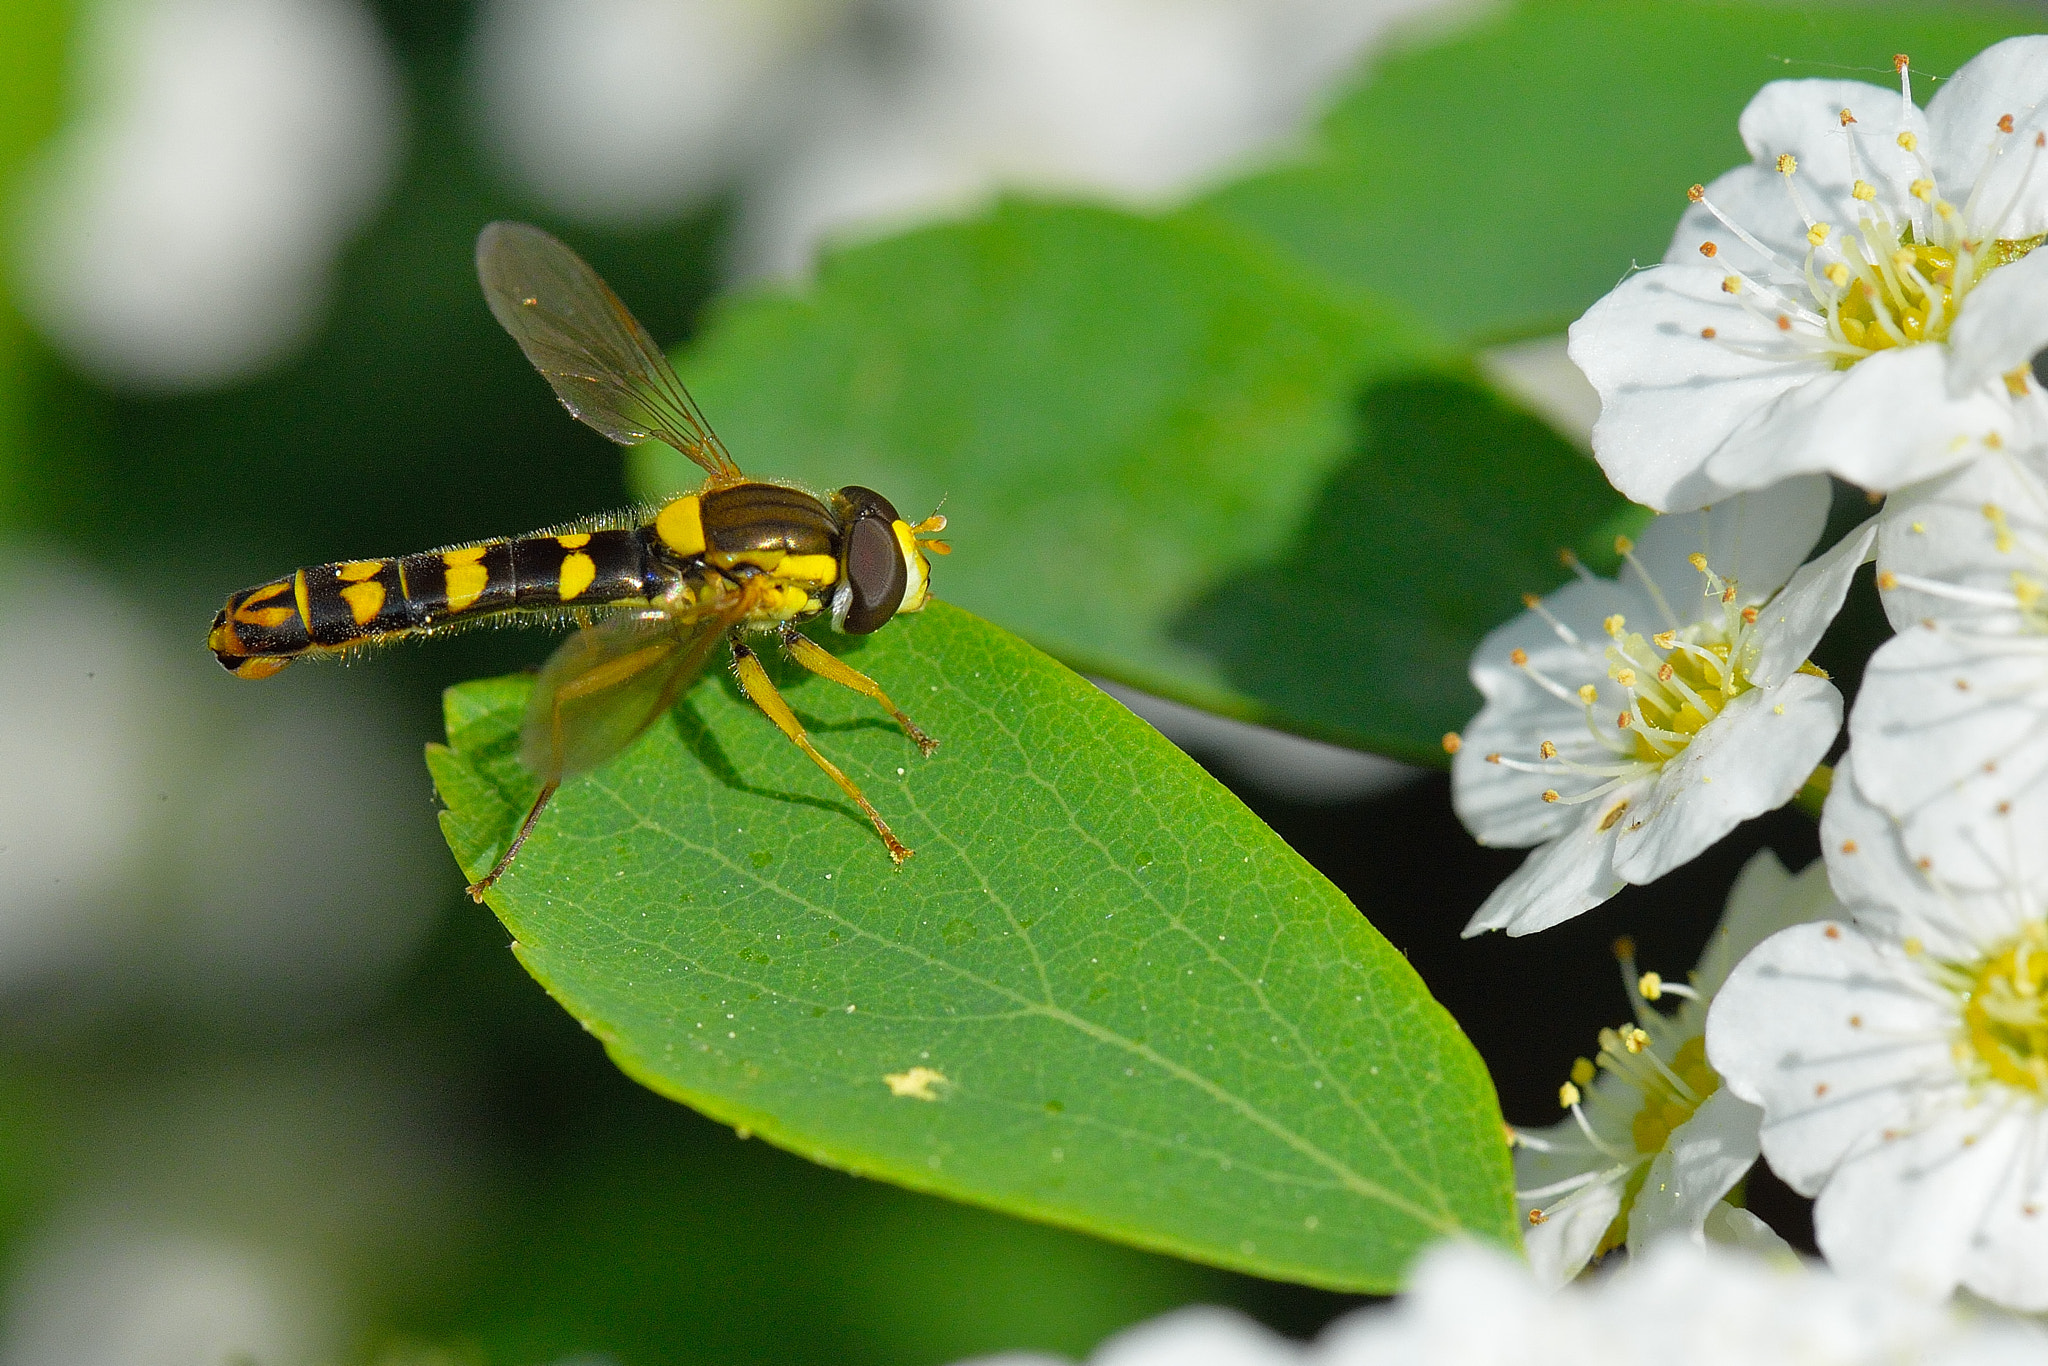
1141	1014
1116	410
1414	551
32	37
1500	182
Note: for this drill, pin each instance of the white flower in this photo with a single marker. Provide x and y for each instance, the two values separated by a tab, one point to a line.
1950	730
1902	1065
1629	724
1861	299
1679	1306
1653	1145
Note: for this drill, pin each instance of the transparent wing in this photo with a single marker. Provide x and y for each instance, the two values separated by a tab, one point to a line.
600	360
607	683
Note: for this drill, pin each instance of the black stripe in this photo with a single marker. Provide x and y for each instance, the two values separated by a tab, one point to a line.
287	638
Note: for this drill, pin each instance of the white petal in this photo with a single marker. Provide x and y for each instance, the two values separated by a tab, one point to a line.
2006	78
1570	1233
1754	540
1199	1335
1748	760
1738	1228
1876	882
1909	1207
1886	421
1939	531
1570	875
1834	1034
2008	1259
1502	806
2003	322
1803	118
1792	623
1701	1162
1951	737
1668	396
1764	900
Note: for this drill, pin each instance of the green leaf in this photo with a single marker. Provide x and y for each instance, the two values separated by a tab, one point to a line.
1119	412
1152	1020
1499	183
1452	506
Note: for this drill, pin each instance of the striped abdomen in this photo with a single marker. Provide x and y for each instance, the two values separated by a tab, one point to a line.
334	606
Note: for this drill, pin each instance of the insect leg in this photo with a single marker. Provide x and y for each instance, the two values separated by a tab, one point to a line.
483	884
825	664
761	692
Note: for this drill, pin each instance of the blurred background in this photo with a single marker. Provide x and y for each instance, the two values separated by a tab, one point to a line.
271	1089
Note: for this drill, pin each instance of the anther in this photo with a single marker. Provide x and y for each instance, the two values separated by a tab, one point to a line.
1847	118
1697	561
1550	794
1625	720
1749	616
2005	123
1626	677
1529	600
1838	275
1547	750
1623	545
1583	1071
1863	190
1567	1096
1731	284
1708	333
1614	625
1922	189
1784	323
1908	142
1518	656
1665	673
1709	250
1651	985
1817	235
1493	758
1665	640
1453	742
1787	163
1588	694
1696	193
1887	581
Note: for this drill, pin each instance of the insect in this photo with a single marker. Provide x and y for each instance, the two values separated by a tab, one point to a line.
654	590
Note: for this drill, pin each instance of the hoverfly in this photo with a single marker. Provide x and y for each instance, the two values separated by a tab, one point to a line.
654	590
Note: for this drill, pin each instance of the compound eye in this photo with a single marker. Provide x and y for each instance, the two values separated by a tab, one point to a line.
875	576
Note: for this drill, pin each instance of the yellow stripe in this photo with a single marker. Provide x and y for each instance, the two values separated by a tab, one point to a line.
681	526
355	571
299	595
575	540
579	571
364	600
809	568
466	579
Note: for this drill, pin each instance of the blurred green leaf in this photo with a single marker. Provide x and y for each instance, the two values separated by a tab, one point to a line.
1118	411
1453	505
33	34
1500	182
1153	1021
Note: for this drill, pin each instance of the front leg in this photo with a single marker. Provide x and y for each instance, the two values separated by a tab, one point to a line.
825	664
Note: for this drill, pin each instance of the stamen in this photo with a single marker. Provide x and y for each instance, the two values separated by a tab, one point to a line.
1698	195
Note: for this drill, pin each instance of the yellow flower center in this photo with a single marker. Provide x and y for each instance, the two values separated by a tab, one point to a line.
2005	1016
1665	1109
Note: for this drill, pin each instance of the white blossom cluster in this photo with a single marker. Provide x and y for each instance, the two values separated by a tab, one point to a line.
1863	300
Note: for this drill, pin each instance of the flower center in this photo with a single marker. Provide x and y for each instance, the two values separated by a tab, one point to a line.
1899	276
2005	1019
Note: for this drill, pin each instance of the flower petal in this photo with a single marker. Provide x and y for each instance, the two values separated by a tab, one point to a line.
2003	323
1669	397
1738	1228
1570	875
1794	621
1570	1233
2008	1258
1199	1335
1754	540
1764	900
1945	531
1910	1204
1885	422
1803	118
1877	883
1951	738
1701	1162
2006	78
1748	760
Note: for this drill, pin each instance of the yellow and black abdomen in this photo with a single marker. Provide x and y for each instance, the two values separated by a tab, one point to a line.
332	607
